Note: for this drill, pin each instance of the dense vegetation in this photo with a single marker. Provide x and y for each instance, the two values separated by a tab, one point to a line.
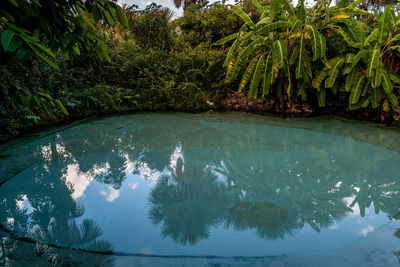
287	53
67	61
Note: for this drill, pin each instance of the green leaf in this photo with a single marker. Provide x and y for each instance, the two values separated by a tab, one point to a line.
296	25
29	40
376	97
102	53
385	107
288	7
23	54
247	74
264	20
7	16
360	33
121	16
349	58
302	91
394	39
226	39
372	37
108	15
231	52
274	73
9	40
258	6
257	76
27	101
344	33
243	15
278	5
14	2
333	73
38	102
350	31
384	25
376	82
299	67
316	46
307	67
355	3
366	89
242	57
322	42
320	77
321	97
301	11
386	83
96	13
45	59
396	48
267	75
353	11
273	26
365	101
231	58
294	53
350	80
393	99
75	48
355	60
61	106
394	78
289	80
280	53
356	90
373	62
46	106
95	37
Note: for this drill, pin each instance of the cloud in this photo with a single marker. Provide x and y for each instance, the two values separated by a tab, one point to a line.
133	186
368	229
112	193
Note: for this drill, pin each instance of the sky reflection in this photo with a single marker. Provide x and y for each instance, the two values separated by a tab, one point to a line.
198	184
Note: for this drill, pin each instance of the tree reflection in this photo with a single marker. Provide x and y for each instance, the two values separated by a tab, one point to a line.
43	211
188	203
274	187
16	253
245	175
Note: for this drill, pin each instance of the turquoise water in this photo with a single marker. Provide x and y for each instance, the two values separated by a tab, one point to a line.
200	190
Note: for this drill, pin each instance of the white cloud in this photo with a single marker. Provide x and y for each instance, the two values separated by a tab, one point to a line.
112	193
368	229
78	181
133	186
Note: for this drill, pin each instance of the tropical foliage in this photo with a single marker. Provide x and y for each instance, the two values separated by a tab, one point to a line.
96	57
156	64
44	28
298	51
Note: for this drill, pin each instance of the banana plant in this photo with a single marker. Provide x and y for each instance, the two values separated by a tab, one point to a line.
279	54
368	77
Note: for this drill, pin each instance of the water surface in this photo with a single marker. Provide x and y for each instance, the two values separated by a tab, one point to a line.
200	189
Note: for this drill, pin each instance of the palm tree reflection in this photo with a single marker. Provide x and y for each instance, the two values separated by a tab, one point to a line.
238	174
45	212
271	187
188	203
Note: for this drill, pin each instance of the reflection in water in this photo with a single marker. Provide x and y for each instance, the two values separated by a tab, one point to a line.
188	203
241	174
42	208
258	214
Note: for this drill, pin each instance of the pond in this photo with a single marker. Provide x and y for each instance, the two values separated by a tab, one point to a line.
202	189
